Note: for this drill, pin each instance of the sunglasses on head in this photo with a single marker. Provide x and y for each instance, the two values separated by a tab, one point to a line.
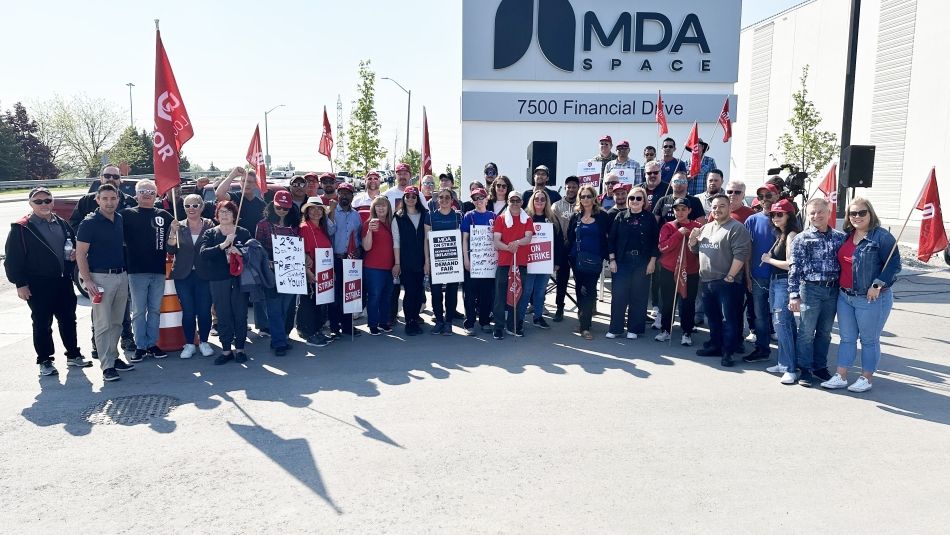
857	213
110	176
42	201
734	192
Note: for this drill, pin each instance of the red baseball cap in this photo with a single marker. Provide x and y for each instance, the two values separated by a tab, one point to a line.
621	185
403	167
411	190
327	176
624	143
283	199
345	186
771	187
478	192
372	174
783	205
607	138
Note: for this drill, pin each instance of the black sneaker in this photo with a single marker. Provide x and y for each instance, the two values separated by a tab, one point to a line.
541	324
139	355
79	362
806	379
519	330
214	329
223	358
559	315
447	330
94	354
756	356
240	357
487	329
121	366
709	352
128	344
374	331
727	361
280	351
47	368
411	329
439	327
386	328
317	340
822	374
157	352
110	375
498	334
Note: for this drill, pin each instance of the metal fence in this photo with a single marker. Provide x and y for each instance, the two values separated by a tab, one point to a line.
78	182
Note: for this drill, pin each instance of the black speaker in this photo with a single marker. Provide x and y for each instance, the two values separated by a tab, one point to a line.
857	166
542	153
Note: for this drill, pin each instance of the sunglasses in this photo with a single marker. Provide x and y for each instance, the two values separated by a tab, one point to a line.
734	192
430	184
281	208
652	173
774	215
516	200
669	146
410	196
445	197
611	184
635	198
110	176
190	206
476	199
858	213
298	185
42	201
501	186
587	197
766	195
623	148
491	173
146	192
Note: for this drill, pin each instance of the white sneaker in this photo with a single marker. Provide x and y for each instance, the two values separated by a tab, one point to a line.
206	349
790	378
686	340
778	368
861	385
750	337
631	336
662	337
835	382
657	323
774	337
188	351
611	335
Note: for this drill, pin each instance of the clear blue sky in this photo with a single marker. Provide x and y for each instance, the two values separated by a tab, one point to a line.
237	59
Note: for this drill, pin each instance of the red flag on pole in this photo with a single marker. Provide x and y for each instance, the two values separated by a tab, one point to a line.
255	157
696	149
172	126
933	236
514	287
829	187
725	121
661	115
426	151
326	139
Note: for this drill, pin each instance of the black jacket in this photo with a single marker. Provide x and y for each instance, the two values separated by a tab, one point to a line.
87	205
30	258
212	259
411	243
603	224
186	253
634	232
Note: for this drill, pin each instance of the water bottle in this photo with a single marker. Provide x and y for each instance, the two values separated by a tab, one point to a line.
68	249
802	307
396	281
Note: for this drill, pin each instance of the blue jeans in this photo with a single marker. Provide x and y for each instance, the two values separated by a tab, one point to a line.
379	291
760	303
721	299
814	331
277	307
860	320
535	286
195	296
784	322
501	297
147	290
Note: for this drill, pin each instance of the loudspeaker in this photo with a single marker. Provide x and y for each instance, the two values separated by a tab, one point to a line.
857	166
542	153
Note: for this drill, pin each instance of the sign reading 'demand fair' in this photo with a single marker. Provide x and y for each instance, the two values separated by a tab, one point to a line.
601	40
590	107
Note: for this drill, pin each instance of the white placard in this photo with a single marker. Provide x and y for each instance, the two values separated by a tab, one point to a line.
541	250
323	267
588	171
445	256
289	269
352	286
481	252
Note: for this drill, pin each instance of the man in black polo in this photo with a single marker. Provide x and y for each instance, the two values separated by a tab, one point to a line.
40	252
101	262
539	181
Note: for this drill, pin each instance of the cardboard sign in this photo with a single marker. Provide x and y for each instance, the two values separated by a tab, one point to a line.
352	286
289	267
323	267
588	172
625	175
541	250
481	252
445	256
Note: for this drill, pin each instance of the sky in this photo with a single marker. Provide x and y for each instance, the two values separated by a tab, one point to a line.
235	60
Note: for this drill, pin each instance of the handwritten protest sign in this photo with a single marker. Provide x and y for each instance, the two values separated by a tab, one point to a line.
541	250
323	267
482	253
352	286
445	256
289	268
588	172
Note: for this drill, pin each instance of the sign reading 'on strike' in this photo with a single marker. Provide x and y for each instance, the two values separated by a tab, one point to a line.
541	250
352	286
323	268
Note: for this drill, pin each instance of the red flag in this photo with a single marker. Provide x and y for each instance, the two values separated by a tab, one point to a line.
725	121
255	157
933	236
661	115
426	151
696	149
829	187
172	126
514	287
326	139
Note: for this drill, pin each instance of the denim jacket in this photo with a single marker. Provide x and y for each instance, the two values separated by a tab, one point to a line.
869	257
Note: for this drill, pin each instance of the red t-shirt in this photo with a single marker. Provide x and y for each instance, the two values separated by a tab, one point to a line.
508	235
742	213
846	259
313	238
381	255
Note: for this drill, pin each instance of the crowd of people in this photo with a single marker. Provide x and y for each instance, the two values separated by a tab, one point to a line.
672	244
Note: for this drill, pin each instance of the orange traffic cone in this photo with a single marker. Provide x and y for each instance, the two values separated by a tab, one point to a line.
171	337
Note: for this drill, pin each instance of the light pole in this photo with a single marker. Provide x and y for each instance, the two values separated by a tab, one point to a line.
266	140
131	117
408	107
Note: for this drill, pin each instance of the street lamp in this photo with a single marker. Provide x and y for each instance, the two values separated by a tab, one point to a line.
266	140
408	107
131	118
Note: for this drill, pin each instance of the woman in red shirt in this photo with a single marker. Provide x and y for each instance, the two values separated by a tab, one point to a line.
378	264
316	230
672	236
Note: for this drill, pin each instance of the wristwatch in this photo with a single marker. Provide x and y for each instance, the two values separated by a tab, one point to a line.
729	278
877	286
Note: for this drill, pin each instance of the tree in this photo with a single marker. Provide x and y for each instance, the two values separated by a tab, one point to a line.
212	168
12	163
78	131
363	146
806	145
134	149
414	159
38	162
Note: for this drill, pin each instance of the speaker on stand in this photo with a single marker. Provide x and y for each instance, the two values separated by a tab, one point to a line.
542	153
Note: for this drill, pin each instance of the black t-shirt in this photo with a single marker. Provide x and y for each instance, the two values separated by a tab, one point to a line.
146	231
252	212
663	208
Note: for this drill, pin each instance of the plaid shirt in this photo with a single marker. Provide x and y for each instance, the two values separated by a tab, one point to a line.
635	178
814	258
697	185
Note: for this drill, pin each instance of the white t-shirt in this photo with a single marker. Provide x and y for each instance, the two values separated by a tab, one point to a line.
363	199
394	195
